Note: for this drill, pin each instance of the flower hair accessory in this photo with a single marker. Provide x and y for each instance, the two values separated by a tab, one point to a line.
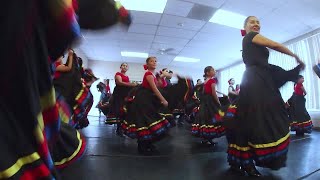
145	67
243	32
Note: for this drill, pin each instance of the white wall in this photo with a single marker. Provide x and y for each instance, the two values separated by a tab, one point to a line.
107	69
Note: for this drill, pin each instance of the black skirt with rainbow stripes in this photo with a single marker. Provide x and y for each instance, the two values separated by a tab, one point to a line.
300	119
207	124
260	124
146	118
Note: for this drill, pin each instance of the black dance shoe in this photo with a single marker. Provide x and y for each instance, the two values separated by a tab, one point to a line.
298	133
252	171
209	142
237	169
144	150
119	133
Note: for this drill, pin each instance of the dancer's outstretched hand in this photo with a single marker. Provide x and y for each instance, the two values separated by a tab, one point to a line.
70	51
165	103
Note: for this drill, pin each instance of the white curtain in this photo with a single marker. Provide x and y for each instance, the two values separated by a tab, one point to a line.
308	50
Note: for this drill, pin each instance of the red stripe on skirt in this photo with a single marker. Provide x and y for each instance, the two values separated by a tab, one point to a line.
239	154
51	115
280	147
40	172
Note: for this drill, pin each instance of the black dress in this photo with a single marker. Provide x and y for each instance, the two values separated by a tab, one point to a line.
145	117
300	119
261	129
77	94
104	102
116	102
207	124
232	97
192	106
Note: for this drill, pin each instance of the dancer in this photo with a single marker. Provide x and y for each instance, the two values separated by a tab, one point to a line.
316	69
199	82
169	77
301	120
206	125
103	104
70	143
238	89
232	93
261	136
107	89
123	86
28	111
144	119
192	106
163	78
73	83
163	83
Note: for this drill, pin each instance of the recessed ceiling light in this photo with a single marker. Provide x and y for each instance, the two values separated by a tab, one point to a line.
134	54
228	18
185	59
155	6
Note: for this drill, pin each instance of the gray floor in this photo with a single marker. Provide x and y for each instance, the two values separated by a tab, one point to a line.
180	157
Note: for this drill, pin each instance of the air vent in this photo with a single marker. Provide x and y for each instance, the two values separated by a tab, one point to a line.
201	12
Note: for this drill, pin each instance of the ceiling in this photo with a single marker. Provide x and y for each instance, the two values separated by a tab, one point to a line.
181	27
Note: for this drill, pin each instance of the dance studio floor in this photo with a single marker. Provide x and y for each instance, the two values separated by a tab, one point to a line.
180	157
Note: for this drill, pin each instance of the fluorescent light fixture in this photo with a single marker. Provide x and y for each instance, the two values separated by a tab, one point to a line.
228	18
186	59
134	54
155	6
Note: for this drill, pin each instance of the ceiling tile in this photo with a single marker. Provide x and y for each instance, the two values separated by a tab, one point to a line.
135	46
201	12
181	22
102	34
303	11
98	43
201	52
157	52
199	43
212	3
158	46
205	36
274	3
254	8
105	54
279	26
178	8
171	40
143	29
217	29
137	37
174	32
134	60
139	17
